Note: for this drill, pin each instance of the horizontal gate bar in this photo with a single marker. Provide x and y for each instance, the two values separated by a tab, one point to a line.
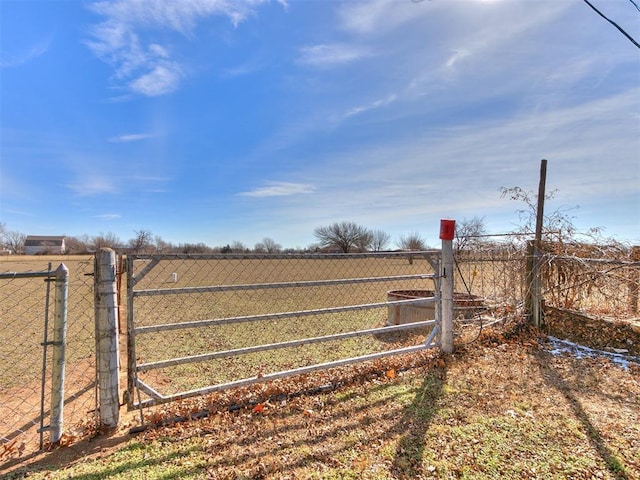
10	275
259	286
283	256
274	376
277	316
274	346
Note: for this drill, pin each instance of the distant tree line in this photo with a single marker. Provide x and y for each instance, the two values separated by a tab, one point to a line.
337	237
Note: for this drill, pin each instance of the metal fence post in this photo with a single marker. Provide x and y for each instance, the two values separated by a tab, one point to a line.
59	348
107	349
447	232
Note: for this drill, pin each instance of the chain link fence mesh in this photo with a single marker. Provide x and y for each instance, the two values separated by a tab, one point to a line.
495	277
602	286
606	285
23	303
245	287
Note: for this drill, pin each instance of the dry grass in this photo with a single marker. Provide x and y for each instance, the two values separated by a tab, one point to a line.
502	407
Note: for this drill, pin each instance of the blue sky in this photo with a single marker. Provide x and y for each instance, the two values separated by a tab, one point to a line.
215	121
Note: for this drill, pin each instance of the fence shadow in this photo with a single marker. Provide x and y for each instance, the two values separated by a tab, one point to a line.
555	380
415	422
34	423
61	457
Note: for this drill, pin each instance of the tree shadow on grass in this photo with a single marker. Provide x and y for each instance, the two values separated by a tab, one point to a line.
415	421
554	379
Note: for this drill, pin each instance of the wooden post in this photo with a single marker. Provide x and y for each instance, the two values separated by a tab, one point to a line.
536	286
59	348
107	348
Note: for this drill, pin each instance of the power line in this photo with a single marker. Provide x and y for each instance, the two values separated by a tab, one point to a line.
635	5
620	29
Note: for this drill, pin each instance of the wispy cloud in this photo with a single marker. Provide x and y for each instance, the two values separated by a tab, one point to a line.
93	185
376	15
109	216
279	189
16	59
371	106
143	66
327	55
130	137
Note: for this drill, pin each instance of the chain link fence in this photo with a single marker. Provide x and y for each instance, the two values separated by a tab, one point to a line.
239	306
496	275
607	285
23	315
599	286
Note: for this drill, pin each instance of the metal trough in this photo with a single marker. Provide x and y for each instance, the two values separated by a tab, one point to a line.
464	305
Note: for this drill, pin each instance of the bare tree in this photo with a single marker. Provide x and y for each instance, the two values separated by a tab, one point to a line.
161	245
193	248
363	242
238	247
343	235
142	241
469	233
77	245
557	225
268	245
14	241
413	241
106	240
379	240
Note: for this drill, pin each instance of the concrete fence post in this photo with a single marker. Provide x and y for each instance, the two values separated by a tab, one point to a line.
107	344
447	232
59	344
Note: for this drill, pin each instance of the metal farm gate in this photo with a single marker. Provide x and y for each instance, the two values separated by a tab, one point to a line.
202	323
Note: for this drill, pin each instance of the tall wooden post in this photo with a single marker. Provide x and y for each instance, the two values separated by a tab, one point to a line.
536	285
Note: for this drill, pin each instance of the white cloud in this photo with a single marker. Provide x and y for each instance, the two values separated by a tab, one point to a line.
26	55
325	55
371	106
160	80
147	67
279	189
109	216
130	137
93	185
457	170
377	16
